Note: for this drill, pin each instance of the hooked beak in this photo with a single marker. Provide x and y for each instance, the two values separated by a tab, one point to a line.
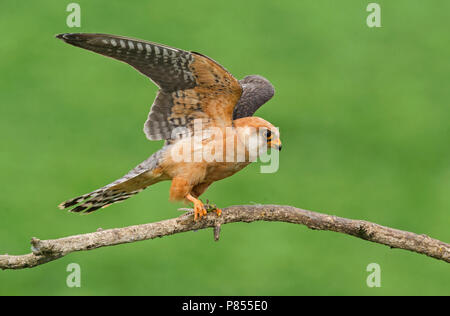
276	144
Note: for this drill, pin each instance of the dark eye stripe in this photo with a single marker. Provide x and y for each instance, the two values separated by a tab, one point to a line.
269	134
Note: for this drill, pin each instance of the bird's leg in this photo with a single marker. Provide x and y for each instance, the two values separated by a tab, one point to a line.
199	208
198	190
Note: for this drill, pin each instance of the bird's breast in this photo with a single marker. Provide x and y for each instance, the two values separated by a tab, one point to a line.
218	171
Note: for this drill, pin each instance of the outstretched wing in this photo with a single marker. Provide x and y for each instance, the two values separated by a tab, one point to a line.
257	90
192	86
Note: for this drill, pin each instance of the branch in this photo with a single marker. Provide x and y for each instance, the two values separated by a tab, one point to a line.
44	251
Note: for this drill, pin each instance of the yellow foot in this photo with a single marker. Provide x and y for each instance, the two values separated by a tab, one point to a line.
199	207
199	210
218	211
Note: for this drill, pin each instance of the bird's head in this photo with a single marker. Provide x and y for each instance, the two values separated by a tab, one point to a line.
256	133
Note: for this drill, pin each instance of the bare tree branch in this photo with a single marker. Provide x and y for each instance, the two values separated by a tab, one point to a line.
44	251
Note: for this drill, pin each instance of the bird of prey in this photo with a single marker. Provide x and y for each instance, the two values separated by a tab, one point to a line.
193	89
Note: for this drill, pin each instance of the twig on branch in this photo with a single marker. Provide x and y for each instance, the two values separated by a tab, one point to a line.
44	251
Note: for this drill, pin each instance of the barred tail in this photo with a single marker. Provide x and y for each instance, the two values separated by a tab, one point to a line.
144	175
95	200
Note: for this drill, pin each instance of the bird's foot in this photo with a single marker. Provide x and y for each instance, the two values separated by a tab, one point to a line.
199	207
199	210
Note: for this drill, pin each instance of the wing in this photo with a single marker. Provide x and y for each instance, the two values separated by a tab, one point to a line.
192	86
257	90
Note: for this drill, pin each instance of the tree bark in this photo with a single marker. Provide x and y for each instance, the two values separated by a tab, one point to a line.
44	251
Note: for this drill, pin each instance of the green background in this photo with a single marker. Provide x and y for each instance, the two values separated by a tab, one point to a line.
364	118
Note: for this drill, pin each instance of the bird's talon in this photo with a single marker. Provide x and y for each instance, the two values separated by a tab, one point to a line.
199	211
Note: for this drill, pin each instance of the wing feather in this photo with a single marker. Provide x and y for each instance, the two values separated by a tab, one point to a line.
192	86
257	90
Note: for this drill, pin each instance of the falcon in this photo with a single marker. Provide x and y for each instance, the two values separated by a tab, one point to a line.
199	105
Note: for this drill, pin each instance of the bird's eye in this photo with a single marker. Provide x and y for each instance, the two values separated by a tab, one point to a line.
268	134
